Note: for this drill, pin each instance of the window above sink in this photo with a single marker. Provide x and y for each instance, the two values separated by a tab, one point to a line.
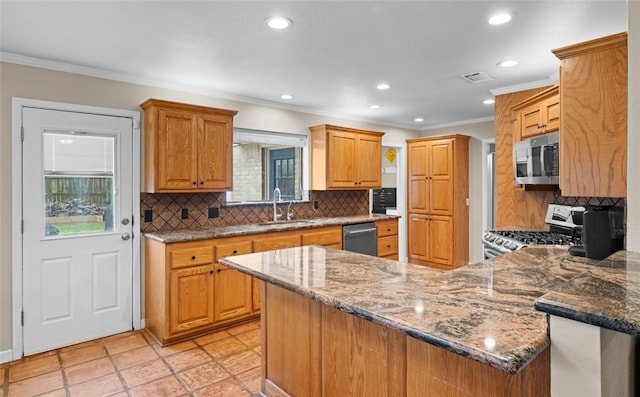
264	160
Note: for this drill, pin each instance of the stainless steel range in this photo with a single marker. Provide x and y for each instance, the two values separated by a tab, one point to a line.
563	231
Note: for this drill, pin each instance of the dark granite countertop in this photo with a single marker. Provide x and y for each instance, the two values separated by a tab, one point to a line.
257	228
483	311
606	295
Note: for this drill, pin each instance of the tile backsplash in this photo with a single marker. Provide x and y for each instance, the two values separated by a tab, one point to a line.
168	209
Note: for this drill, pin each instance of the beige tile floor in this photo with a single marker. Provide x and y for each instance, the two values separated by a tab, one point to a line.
223	363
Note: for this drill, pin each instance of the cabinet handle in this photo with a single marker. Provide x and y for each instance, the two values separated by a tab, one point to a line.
388	245
211	271
202	182
235	251
194	183
219	270
388	230
193	257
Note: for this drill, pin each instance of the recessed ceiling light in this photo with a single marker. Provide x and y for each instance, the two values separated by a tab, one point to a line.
383	86
279	22
374	107
286	96
418	119
507	64
489	101
499	19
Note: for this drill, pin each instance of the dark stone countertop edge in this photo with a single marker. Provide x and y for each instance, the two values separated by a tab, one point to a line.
511	365
556	308
176	236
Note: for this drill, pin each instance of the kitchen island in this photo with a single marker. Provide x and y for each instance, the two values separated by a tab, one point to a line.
339	323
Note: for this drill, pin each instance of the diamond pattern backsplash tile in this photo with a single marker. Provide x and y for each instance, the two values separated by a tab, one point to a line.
167	209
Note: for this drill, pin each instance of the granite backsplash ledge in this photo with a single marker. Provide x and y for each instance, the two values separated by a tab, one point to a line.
179	211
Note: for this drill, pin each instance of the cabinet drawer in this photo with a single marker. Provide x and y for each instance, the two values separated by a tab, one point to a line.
331	237
191	257
387	228
276	243
233	248
387	245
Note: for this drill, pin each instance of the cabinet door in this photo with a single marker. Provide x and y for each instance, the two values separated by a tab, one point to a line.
551	112
215	135
418	170
191	298
233	290
232	294
441	189
369	162
419	237
342	171
441	240
531	121
177	150
256	297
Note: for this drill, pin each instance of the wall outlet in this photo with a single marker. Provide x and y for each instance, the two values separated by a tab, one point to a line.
148	215
213	212
315	204
185	213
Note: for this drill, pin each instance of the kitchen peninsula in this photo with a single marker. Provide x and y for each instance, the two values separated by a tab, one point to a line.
339	323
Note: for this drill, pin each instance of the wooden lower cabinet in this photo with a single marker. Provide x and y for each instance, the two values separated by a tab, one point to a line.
191	290
387	238
187	292
338	354
431	240
233	290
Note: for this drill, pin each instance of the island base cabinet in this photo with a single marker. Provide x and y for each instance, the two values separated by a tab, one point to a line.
291	343
444	373
311	349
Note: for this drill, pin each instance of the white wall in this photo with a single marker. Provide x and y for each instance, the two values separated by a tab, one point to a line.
36	83
477	132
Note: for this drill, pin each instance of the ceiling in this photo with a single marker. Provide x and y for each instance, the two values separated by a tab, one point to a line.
330	60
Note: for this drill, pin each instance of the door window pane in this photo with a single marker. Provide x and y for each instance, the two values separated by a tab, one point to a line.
78	179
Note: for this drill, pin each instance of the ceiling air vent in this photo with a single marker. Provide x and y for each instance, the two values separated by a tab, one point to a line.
478	77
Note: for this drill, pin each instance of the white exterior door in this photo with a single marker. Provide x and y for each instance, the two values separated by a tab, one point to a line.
77	244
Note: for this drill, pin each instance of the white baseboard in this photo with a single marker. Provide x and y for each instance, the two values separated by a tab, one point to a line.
142	326
6	356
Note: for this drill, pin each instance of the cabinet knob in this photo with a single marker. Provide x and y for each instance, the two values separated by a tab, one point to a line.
388	245
388	230
194	183
235	251
210	271
202	182
219	270
193	257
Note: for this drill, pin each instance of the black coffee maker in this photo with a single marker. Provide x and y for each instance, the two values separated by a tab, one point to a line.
602	232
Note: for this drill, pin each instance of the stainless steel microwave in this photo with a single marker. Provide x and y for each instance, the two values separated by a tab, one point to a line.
536	160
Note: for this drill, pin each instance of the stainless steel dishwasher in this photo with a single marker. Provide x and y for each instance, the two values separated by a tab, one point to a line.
360	237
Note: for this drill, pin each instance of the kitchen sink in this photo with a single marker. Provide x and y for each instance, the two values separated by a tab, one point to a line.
292	222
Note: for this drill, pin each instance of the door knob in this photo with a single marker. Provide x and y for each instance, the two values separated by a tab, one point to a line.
125	221
126	236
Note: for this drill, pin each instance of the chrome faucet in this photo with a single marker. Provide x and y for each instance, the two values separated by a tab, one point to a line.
289	213
275	214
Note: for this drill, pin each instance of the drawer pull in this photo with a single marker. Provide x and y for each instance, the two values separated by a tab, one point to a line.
193	258
388	245
211	272
219	270
235	251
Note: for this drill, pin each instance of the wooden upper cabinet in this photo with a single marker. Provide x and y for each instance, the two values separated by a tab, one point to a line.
437	194
593	130
430	165
345	158
539	114
187	147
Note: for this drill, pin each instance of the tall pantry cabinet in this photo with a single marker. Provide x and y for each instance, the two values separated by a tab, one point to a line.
438	191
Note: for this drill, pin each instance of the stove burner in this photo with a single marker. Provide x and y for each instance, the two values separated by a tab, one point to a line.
497	242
